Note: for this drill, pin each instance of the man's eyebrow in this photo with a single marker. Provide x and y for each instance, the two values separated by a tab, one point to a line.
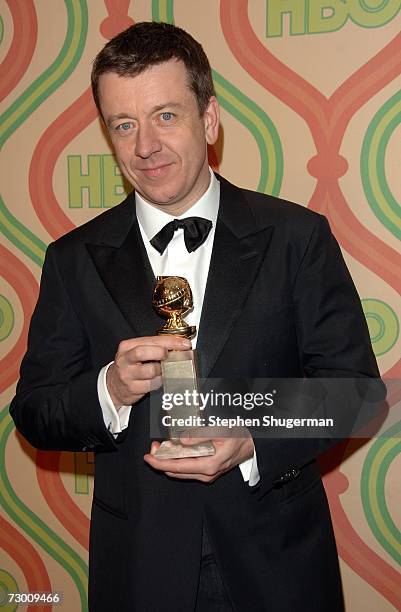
160	107
118	116
155	109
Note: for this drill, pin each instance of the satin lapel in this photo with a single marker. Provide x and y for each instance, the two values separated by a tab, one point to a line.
127	274
238	252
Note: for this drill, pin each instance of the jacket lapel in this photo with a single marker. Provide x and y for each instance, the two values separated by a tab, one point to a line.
123	265
240	246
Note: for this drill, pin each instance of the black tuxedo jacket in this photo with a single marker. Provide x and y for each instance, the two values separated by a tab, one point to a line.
279	302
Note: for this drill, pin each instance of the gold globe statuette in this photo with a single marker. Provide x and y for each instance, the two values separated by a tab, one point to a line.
172	299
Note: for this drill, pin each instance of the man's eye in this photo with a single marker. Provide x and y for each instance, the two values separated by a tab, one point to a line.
166	116
124	127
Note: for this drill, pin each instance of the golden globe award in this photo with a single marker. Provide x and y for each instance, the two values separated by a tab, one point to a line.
172	298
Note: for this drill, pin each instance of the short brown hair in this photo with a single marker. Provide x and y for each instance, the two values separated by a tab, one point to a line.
148	43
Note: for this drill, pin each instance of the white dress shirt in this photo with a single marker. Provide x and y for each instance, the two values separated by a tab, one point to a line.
175	261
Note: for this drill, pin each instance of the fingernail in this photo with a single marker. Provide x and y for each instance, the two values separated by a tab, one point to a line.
186	343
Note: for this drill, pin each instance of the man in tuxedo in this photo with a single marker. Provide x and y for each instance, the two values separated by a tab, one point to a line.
246	528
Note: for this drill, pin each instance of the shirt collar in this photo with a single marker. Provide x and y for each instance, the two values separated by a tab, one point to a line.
151	219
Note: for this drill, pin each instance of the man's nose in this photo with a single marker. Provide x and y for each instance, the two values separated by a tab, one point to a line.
147	141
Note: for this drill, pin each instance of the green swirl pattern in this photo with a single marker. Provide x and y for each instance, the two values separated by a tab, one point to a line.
163	10
23	107
383	324
8	584
262	129
373	477
1	30
54	75
33	526
6	318
373	172
21	236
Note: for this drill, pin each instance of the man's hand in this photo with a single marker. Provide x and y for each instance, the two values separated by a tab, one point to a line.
230	452
136	369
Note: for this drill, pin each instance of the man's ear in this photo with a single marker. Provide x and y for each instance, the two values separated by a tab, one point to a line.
212	120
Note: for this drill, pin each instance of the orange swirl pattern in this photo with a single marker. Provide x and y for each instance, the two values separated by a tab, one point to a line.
117	19
74	120
58	499
25	286
327	120
22	46
354	551
52	142
25	555
351	547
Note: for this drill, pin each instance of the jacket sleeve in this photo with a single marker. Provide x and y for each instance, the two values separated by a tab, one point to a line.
56	405
334	343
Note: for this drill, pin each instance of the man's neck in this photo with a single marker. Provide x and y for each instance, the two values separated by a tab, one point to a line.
152	219
176	209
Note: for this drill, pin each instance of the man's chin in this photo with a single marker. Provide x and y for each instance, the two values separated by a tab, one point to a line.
159	200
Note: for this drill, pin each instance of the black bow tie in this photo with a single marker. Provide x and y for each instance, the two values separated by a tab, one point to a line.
196	230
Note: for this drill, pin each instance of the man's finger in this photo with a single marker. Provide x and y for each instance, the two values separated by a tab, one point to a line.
168	341
192	465
199	477
147	371
154	446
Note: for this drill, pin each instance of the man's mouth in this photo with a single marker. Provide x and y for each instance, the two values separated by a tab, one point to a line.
155	171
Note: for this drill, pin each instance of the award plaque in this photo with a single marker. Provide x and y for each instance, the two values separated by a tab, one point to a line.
172	298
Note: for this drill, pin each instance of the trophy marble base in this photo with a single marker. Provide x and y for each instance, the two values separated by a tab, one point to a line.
172	299
174	450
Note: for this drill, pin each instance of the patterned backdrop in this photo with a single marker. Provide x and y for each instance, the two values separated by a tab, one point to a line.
311	101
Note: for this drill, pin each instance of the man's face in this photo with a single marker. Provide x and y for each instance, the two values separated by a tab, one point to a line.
159	137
